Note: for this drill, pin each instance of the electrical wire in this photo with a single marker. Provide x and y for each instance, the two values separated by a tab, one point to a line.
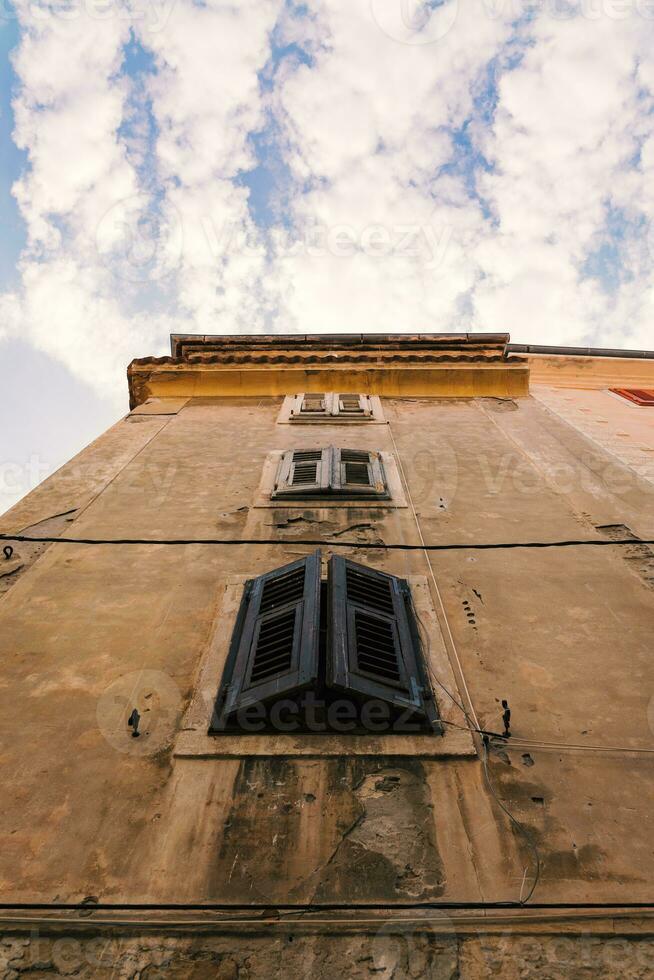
513	741
318	542
427	661
473	721
476	731
450	924
517	741
516	823
455	654
315	907
473	725
470	727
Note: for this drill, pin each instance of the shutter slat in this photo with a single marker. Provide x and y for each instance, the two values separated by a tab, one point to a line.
369	591
276	652
287	588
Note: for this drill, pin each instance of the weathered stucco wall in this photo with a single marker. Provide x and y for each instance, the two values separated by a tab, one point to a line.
388	953
564	634
624	430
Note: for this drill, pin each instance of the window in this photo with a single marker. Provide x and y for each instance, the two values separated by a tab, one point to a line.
313	404
330	403
639	396
356	405
329	471
332	406
323	657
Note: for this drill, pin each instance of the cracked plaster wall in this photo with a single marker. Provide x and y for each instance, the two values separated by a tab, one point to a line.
566	637
383	955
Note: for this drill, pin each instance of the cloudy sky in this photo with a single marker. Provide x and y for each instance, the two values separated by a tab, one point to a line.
272	165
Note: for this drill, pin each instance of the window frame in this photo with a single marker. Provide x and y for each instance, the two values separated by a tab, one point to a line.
191	739
634	396
263	499
331	475
334	413
342	674
299	413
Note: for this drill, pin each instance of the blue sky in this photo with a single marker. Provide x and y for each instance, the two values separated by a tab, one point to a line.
12	162
277	166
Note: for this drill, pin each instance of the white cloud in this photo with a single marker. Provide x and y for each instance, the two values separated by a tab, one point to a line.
395	222
206	100
369	126
566	130
68	111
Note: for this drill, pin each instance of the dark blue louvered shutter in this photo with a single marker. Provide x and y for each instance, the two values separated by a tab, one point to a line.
371	648
276	653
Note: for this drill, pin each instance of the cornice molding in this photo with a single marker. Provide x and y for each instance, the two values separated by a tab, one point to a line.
440	365
447	365
183	345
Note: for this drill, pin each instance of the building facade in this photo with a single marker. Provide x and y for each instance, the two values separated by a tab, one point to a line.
302	520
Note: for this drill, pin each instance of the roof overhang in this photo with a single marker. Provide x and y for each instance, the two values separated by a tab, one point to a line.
441	365
447	365
588	367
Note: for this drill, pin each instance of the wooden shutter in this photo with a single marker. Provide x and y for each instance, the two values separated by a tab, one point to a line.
370	646
356	471
639	396
303	471
354	406
310	404
276	652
